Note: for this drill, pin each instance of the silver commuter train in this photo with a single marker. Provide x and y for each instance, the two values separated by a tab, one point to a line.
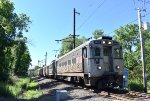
96	63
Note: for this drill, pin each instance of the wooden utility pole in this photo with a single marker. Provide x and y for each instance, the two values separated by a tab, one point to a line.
142	50
74	27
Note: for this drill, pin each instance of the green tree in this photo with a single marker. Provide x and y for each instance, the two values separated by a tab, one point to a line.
128	37
12	26
67	44
23	59
98	33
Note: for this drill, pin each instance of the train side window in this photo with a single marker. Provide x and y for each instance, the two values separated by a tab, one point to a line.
69	62
85	52
97	51
65	63
74	61
60	65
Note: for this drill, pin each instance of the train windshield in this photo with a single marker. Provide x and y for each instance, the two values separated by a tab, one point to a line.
97	51
118	53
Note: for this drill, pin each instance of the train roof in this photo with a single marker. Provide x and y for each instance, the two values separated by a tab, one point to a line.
87	43
80	46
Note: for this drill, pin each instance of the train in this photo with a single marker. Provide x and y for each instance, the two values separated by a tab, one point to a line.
97	62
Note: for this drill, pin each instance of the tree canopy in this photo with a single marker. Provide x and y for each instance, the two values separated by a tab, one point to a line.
98	33
129	38
14	54
67	44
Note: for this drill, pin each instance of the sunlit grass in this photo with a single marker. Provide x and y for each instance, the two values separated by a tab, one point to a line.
20	88
30	94
32	84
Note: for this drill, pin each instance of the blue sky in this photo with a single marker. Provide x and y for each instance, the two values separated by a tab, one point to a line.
53	19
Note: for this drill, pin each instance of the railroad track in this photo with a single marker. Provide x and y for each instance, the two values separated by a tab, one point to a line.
130	96
114	94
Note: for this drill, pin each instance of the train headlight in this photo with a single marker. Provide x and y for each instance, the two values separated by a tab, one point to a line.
104	42
109	42
117	67
99	68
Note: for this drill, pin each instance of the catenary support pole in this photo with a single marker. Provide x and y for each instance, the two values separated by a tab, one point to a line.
142	50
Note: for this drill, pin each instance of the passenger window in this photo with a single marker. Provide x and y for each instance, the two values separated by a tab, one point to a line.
60	65
74	61
65	63
85	53
117	53
97	51
69	62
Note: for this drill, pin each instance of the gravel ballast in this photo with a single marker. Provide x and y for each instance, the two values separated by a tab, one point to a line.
50	86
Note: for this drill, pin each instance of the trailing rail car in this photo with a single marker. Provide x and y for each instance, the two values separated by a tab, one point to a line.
96	63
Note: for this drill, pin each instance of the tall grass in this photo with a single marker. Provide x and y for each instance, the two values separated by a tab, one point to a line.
19	88
8	90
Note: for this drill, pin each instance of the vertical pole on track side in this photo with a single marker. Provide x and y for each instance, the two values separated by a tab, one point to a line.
142	50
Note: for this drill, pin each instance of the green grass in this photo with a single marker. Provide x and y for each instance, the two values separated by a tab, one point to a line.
30	94
32	91
32	85
20	88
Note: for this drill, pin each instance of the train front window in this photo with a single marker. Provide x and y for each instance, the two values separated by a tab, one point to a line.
106	51
97	51
117	53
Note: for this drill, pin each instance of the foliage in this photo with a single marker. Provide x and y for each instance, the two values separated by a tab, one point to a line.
98	33
31	94
129	38
20	88
13	49
32	85
136	85
37	67
32	91
67	44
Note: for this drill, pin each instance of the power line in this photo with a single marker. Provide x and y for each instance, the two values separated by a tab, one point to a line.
131	22
100	4
146	14
125	25
134	3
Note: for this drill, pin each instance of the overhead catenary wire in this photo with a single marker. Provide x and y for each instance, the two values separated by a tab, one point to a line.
131	22
85	21
134	3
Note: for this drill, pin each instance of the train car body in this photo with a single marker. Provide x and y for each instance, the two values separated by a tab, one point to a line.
96	63
51	70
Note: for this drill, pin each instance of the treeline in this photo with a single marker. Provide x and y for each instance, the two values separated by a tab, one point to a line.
14	53
129	38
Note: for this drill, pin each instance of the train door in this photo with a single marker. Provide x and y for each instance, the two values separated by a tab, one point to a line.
107	58
84	59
